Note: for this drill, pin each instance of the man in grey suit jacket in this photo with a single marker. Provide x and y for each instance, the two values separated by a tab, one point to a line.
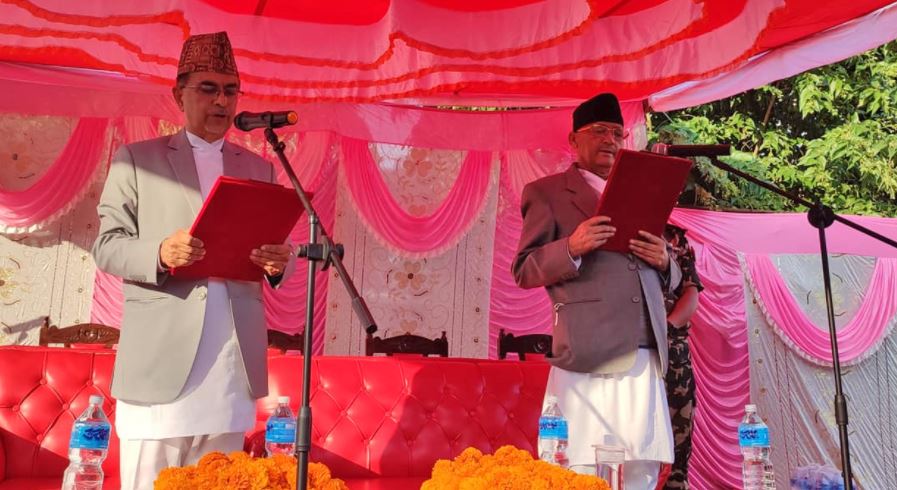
192	353
609	335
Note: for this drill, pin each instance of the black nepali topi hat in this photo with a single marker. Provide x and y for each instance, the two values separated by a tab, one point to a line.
600	108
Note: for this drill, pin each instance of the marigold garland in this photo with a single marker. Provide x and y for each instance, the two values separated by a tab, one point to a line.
508	469
239	471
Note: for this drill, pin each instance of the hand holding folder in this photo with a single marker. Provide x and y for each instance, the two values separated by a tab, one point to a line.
641	191
239	216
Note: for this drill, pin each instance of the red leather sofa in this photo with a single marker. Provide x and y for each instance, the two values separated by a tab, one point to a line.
42	391
378	422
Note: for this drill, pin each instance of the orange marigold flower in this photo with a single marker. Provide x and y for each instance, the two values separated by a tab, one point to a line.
508	469
239	471
213	461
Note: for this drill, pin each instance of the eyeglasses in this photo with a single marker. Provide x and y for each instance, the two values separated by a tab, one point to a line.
601	130
213	90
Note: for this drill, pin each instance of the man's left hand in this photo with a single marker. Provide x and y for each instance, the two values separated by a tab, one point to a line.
652	249
272	258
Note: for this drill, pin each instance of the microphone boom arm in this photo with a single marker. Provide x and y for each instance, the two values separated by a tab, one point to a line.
319	245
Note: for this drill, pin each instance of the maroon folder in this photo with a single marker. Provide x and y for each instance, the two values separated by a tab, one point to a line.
641	191
238	216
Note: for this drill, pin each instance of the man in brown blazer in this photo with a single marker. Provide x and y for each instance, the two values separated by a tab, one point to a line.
192	355
609	344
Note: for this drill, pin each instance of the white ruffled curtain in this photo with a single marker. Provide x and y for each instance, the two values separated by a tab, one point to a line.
795	390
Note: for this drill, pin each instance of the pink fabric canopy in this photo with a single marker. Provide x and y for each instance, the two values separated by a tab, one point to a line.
506	52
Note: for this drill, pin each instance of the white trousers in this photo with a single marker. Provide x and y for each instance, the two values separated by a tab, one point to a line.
143	459
626	409
637	475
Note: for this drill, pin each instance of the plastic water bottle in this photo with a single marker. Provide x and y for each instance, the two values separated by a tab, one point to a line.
280	431
753	438
553	434
87	448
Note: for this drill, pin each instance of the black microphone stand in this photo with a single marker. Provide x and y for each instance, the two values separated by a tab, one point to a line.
821	217
320	248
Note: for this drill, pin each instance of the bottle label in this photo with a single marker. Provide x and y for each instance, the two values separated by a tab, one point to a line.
753	436
89	436
280	431
552	428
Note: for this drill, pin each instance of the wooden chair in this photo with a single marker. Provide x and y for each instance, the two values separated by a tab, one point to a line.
406	344
523	344
82	333
284	341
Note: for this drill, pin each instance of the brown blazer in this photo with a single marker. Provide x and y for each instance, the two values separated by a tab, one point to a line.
598	306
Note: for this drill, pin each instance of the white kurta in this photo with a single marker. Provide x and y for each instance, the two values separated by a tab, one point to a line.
216	397
629	407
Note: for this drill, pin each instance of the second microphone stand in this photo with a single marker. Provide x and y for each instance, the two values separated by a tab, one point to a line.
320	248
821	217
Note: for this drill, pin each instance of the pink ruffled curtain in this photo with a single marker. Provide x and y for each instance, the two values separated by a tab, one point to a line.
719	342
856	341
285	306
64	183
721	363
108	300
518	168
414	236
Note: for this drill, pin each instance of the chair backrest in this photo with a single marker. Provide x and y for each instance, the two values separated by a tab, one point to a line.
82	333
406	344
284	341
523	344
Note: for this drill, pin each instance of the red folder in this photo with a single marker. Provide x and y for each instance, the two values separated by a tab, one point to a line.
641	191
238	216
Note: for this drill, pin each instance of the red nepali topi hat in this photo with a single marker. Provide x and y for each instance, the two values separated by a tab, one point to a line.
207	52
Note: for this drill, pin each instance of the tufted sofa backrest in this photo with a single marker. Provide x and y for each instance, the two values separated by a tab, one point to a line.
378	416
372	416
42	391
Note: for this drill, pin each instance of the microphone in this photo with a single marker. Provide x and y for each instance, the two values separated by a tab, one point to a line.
247	121
691	150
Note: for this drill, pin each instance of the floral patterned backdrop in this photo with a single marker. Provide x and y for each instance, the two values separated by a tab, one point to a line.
46	273
53	279
49	273
448	292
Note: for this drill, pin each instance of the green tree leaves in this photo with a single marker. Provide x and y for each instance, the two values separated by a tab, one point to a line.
829	133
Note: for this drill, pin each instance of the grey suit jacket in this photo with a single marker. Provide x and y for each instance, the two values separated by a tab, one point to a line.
598	307
152	190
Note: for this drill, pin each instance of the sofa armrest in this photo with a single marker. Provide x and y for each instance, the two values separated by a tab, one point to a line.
254	444
2	461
